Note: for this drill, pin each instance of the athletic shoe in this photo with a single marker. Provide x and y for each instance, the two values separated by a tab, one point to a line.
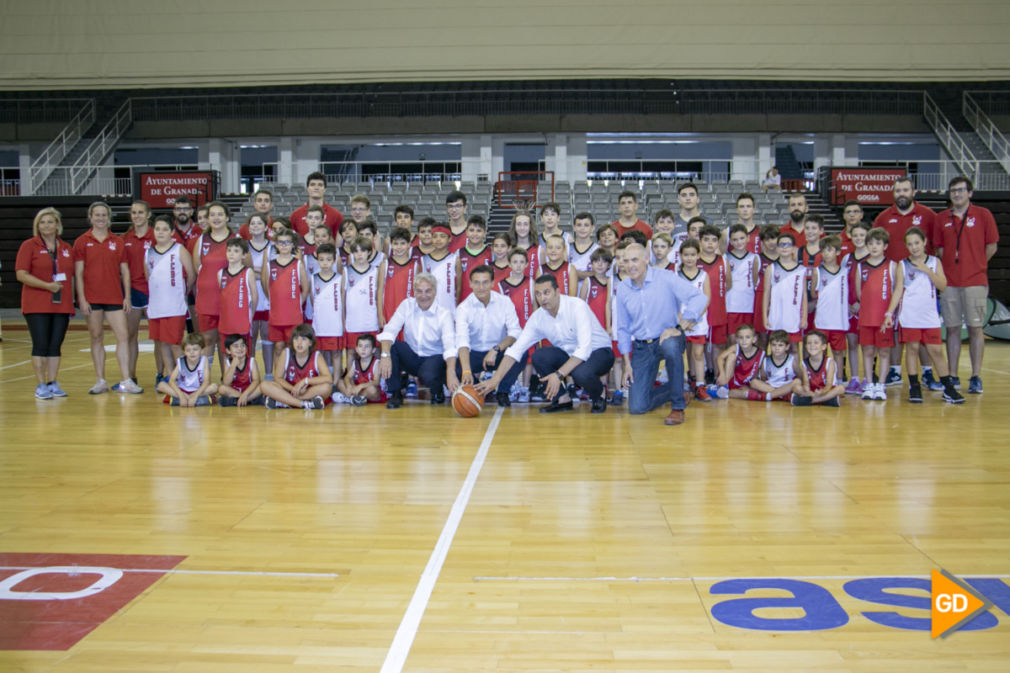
956	382
411	389
127	386
929	382
599	406
869	389
158	379
315	403
202	401
523	396
395	402
880	394
617	399
915	393
953	396
100	387
270	403
893	377
174	402
855	386
359	400
339	398
801	400
701	394
555	407
226	401
722	392
833	402
975	385
55	389
42	392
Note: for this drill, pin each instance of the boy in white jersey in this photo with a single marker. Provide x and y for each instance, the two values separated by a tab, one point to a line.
785	292
363	288
441	264
327	295
918	319
190	384
690	254
743	269
168	268
779	377
582	247
830	283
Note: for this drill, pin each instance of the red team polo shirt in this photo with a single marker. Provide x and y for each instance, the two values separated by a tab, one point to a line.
800	236
963	242
333	219
639	225
188	239
34	257
136	249
102	281
896	224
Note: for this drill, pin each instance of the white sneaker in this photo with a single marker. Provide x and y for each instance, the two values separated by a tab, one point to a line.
869	390
881	392
100	387
127	386
339	398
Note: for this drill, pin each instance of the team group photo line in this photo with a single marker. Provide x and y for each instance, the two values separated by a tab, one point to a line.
655	315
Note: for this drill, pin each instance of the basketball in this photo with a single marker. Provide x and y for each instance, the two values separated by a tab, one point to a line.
467	402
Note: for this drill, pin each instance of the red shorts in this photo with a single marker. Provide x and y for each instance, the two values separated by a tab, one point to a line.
836	339
736	384
872	336
350	339
207	322
697	339
261	316
615	349
795	337
717	334
759	322
734	320
911	335
167	330
280	333
853	325
329	343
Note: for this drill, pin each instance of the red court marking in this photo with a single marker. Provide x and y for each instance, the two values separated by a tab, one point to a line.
58	624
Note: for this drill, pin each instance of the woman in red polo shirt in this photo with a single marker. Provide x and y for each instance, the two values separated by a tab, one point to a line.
103	279
137	239
208	258
45	269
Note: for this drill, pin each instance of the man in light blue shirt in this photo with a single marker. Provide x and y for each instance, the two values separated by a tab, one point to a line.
652	309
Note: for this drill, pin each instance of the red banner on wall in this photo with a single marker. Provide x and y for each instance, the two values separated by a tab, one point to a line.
161	188
867	185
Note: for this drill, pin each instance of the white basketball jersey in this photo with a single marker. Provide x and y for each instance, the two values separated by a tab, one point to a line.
778	375
786	298
444	271
166	283
361	299
832	300
701	327
740	298
918	304
190	380
327	305
270	252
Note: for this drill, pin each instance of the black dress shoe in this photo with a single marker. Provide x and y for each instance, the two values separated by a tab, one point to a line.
555	407
503	399
438	398
599	406
395	402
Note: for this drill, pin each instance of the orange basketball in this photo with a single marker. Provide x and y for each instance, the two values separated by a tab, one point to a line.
467	401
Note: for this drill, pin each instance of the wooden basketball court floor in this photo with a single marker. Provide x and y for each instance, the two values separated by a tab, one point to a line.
366	540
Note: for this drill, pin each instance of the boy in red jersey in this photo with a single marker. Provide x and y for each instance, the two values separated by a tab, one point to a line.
878	289
301	377
286	285
362	383
738	366
557	266
238	291
240	385
401	267
518	287
769	253
818	373
475	253
501	244
720	283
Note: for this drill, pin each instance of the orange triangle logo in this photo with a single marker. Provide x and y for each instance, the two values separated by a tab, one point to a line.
953	604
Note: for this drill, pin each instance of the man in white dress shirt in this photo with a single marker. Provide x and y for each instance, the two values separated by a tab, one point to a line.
579	348
486	324
428	340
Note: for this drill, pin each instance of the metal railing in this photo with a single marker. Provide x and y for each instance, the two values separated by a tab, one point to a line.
340	172
100	147
55	151
949	138
986	130
10	181
22	110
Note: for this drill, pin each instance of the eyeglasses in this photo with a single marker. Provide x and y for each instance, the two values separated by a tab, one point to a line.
958	190
284	242
785	244
455	206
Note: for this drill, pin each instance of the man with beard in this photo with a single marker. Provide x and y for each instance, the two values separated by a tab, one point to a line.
186	231
797	216
896	220
852	212
687	197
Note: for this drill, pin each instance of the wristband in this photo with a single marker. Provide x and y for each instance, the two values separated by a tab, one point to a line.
467	371
383	355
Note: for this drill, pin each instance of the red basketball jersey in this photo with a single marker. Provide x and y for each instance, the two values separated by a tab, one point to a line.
521	296
467	262
365	374
243	376
597	299
716	270
816	377
746	368
285	294
236	310
561	274
295	372
212	260
500	273
877	290
399	284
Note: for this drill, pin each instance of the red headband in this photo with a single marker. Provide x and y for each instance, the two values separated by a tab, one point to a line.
443	228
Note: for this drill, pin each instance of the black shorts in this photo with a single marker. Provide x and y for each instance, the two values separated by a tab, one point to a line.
106	307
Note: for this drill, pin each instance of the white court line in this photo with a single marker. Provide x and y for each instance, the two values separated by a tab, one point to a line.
712	579
404	638
175	571
16	364
995	371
